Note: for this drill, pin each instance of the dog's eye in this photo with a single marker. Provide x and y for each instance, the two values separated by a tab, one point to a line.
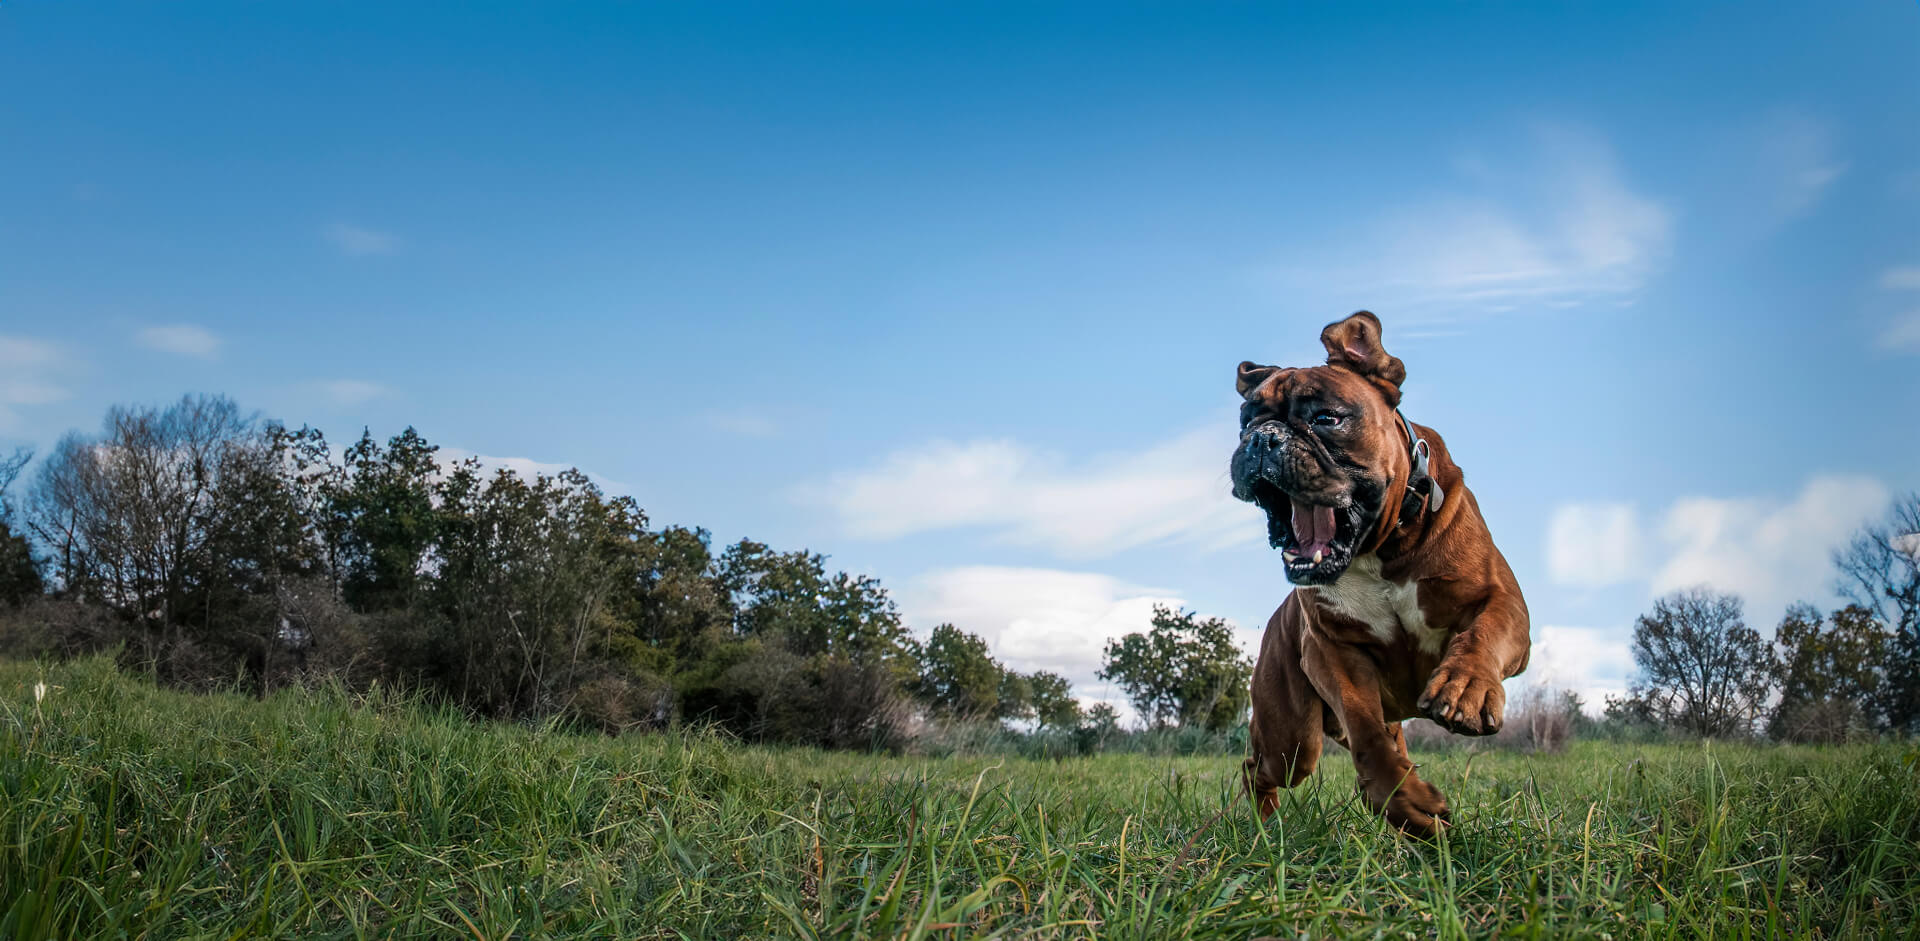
1326	419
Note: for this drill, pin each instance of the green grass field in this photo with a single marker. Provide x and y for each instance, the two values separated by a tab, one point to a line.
130	811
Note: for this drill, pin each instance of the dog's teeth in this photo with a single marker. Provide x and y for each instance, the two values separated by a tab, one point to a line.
1289	555
1316	556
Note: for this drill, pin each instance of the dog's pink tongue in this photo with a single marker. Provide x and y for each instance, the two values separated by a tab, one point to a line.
1313	526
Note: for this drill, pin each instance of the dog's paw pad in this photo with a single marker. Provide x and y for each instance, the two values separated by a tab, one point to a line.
1464	702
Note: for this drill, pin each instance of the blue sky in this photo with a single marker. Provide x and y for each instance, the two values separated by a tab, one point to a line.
954	293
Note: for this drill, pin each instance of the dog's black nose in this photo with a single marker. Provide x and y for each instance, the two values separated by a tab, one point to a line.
1267	437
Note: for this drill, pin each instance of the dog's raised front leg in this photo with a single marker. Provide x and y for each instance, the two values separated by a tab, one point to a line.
1464	693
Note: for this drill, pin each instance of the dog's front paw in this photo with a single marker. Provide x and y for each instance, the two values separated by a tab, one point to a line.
1413	807
1465	701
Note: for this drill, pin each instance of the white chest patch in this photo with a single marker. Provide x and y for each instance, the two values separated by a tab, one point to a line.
1388	609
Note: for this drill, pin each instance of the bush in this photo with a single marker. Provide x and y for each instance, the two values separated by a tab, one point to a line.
320	637
1823	722
944	737
1539	720
19	575
770	693
1633	719
56	628
848	705
614	702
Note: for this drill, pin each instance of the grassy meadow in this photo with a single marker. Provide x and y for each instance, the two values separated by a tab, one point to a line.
132	811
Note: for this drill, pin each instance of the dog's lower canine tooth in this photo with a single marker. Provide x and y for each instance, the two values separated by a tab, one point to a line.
1316	557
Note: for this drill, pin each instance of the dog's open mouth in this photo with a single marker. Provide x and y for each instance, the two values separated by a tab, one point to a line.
1316	541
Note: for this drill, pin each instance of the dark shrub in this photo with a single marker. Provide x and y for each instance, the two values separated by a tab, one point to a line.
57	628
615	702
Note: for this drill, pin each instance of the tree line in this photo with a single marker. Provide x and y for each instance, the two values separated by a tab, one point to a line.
212	548
1830	676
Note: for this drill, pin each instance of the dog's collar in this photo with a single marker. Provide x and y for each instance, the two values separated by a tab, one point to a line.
1423	492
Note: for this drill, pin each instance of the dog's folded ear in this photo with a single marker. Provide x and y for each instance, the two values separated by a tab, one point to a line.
1251	375
1354	343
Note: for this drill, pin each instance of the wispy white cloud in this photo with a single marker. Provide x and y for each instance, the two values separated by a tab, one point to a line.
1901	278
26	353
359	240
1041	619
1765	550
1594	662
21	390
1902	333
1559	226
353	391
184	339
742	423
1593	545
1797	159
1172	492
1770	553
527	468
1906	183
27	368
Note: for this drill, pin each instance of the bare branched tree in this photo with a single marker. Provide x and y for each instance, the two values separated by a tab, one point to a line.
19	571
1880	571
1701	667
127	514
10	467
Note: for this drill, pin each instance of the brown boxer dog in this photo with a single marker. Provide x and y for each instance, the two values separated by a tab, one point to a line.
1404	607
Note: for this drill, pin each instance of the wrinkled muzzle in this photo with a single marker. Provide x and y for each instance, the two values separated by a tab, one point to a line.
1312	516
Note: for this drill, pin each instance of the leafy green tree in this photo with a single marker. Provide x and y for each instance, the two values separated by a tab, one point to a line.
1015	696
1053	702
1186	670
527	573
790	597
381	520
1830	673
1631	713
959	675
1702	668
678	604
1098	726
